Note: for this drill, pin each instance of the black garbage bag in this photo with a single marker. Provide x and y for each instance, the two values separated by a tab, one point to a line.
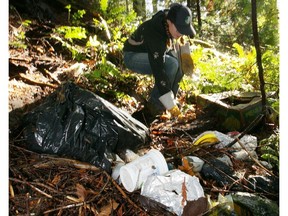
79	124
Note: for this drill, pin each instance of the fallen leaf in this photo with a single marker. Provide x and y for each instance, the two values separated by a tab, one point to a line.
56	180
81	192
186	167
106	210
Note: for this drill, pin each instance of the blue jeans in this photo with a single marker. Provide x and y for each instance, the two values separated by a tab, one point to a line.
139	63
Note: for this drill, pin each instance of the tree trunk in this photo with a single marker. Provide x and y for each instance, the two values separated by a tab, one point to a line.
154	4
199	16
139	7
258	54
127	6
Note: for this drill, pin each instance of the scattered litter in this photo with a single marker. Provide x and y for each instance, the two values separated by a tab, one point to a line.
209	137
130	156
118	163
226	160
135	173
195	162
173	189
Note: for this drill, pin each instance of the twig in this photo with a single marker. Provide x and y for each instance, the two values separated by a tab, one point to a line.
254	159
250	126
224	173
58	161
70	206
11	190
235	181
26	59
86	204
36	82
33	187
52	77
122	192
46	186
27	203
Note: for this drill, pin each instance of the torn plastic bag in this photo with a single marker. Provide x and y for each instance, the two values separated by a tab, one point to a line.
77	123
174	189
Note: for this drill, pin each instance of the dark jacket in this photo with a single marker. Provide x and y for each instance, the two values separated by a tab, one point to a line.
151	37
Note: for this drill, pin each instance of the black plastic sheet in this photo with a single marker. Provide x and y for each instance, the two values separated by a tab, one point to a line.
77	123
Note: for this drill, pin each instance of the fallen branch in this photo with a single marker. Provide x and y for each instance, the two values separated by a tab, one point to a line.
52	77
26	59
253	158
33	187
34	82
73	205
247	129
65	161
122	192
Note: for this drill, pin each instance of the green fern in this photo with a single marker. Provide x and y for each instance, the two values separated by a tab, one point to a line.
72	32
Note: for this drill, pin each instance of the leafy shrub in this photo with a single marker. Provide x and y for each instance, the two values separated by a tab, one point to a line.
269	150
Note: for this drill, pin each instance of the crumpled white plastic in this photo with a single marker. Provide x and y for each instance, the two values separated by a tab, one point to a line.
167	189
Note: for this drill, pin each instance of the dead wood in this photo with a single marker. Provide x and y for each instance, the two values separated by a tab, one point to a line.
63	185
35	82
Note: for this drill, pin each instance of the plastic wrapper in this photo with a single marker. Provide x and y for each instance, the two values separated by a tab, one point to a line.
168	190
77	123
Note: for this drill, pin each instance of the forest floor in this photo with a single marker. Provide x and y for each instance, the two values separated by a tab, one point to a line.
50	185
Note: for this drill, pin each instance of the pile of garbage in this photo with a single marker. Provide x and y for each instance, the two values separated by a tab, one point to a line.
77	124
180	190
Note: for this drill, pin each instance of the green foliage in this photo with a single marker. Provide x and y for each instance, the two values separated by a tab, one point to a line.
219	71
230	22
229	66
246	66
68	7
26	23
108	80
71	32
77	16
75	51
18	37
215	71
269	150
103	5
122	23
18	40
66	34
270	62
103	71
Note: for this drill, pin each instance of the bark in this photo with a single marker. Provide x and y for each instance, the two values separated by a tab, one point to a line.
199	16
139	7
127	6
258	54
154	3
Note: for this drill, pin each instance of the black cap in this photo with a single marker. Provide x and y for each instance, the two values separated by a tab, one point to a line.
181	16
